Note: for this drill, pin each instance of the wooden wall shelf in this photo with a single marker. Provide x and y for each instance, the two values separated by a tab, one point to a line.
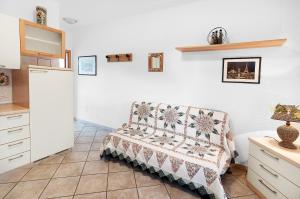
234	46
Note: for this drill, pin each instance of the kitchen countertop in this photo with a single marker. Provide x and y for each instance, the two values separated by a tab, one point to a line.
49	68
8	109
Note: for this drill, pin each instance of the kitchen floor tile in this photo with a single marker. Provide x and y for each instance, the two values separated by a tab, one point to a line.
84	139
75	157
81	147
59	187
69	169
158	191
146	179
177	192
54	159
40	172
101	195
123	194
93	155
27	190
13	175
235	188
121	180
95	167
5	188
92	184
118	166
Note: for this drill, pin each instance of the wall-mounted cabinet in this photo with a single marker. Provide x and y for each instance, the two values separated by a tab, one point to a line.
41	41
10	42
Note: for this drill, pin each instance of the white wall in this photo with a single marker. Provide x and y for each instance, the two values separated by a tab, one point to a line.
191	78
26	10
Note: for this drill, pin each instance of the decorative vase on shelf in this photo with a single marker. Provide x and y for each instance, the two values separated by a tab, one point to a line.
217	35
41	15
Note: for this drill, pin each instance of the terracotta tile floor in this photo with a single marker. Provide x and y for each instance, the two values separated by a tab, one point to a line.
79	173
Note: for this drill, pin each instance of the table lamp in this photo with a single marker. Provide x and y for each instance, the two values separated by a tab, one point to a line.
287	133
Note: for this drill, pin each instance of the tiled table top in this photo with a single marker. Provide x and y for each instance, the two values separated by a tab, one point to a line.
80	174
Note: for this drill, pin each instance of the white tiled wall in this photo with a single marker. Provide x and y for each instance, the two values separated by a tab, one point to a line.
6	91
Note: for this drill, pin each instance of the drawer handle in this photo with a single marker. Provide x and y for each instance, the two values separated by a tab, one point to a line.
20	156
11	145
39	71
261	182
14	116
267	170
268	154
15	130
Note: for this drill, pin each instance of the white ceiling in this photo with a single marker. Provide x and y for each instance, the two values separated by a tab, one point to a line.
91	11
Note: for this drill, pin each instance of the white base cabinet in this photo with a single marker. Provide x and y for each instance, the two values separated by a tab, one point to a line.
14	140
51	111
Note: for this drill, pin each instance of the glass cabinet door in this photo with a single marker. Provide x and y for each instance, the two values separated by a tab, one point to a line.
41	41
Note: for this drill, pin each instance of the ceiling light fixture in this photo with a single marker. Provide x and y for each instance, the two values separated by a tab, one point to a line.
70	20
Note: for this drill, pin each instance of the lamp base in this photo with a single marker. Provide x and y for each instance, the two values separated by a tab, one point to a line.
288	134
288	145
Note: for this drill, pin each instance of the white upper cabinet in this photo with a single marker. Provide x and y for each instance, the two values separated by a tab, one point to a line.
9	42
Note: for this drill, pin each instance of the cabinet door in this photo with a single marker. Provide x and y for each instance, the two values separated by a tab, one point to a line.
10	42
51	111
41	41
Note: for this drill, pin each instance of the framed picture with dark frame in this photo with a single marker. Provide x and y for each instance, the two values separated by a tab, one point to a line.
241	70
87	65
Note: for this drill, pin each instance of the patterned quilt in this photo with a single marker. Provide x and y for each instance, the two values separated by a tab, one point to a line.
191	145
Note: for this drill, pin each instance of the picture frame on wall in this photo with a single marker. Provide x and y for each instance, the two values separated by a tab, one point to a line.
155	62
241	70
87	65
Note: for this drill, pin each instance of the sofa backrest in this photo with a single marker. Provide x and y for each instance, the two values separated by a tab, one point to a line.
199	124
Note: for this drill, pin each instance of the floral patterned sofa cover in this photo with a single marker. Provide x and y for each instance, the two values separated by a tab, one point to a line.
190	145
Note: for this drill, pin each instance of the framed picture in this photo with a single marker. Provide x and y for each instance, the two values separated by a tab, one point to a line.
155	62
87	65
242	70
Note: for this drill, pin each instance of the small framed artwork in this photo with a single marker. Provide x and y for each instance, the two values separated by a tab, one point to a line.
155	62
242	70
87	65
68	59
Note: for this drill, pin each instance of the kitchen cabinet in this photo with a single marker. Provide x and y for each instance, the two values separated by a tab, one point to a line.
41	41
10	42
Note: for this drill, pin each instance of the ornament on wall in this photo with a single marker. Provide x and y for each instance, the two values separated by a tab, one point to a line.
217	35
41	15
4	80
155	62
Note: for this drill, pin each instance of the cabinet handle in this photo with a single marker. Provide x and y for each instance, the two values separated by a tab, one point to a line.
10	145
39	71
15	130
261	182
268	154
14	116
20	156
2	66
267	170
